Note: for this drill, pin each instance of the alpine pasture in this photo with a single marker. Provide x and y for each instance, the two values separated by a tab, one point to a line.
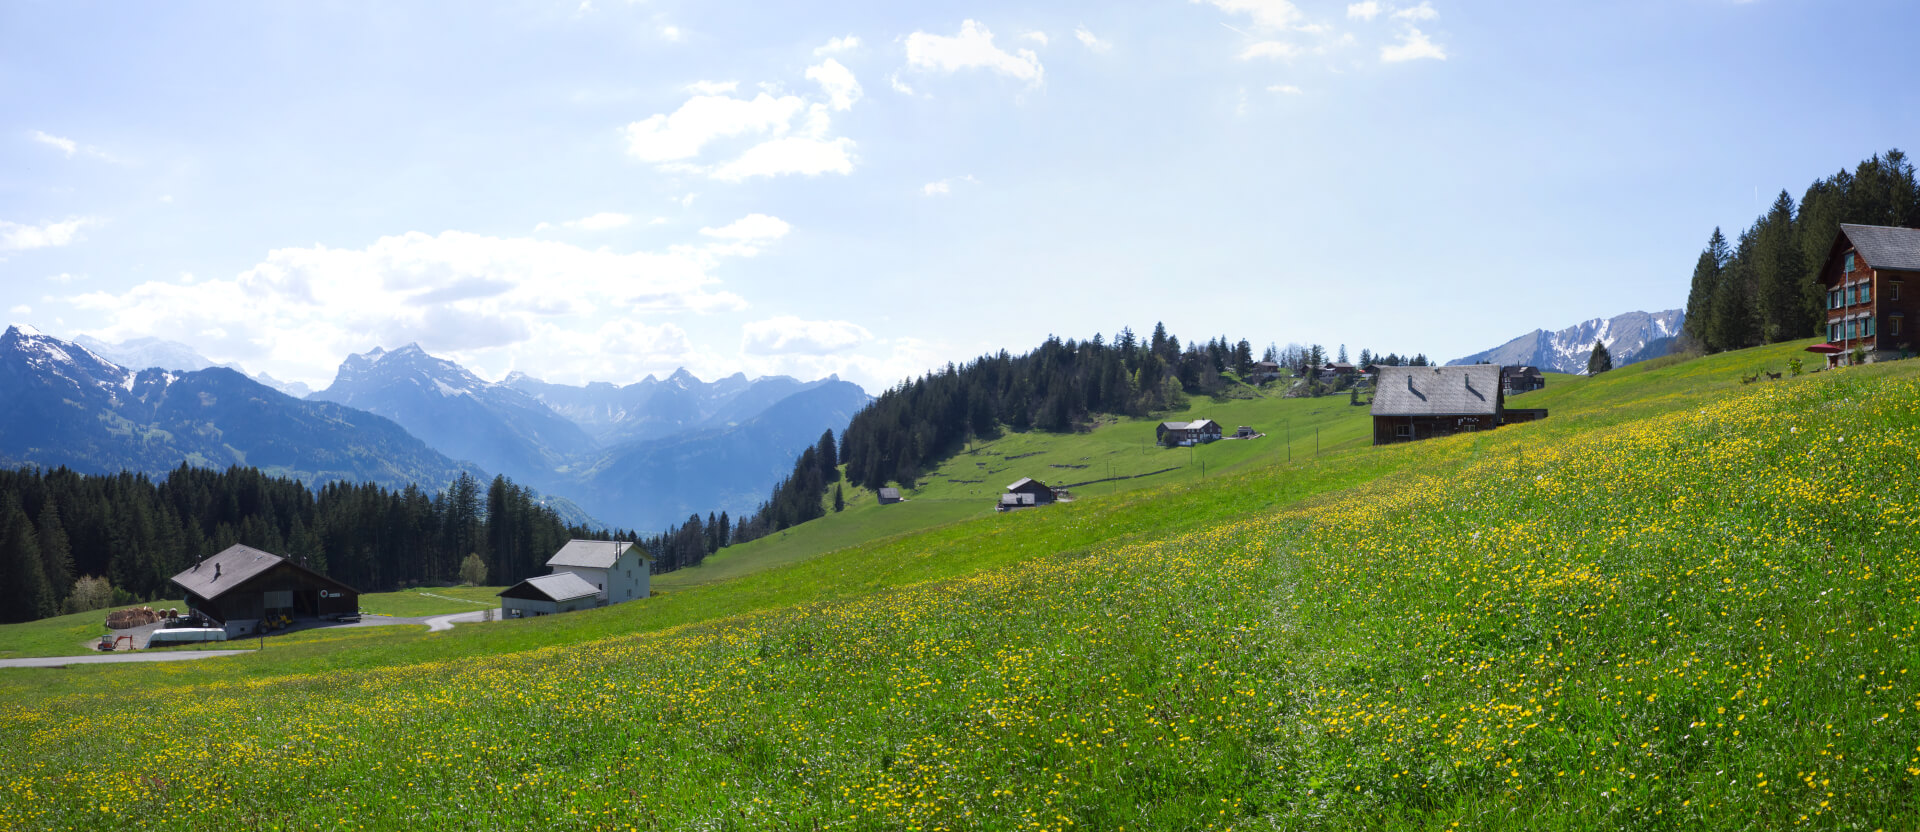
1677	603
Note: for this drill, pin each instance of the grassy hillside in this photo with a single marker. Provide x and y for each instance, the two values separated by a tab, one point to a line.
1678	603
64	635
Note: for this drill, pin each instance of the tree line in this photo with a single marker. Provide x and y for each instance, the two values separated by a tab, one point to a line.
1764	287
1060	386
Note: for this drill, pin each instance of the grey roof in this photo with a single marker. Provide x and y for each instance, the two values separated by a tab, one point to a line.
1465	390
1885	247
1023	481
232	566
595	554
560	586
890	493
1201	424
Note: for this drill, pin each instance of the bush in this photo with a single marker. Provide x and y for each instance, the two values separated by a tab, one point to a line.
473	571
90	593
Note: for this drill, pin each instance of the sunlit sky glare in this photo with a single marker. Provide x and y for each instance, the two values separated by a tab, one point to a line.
602	190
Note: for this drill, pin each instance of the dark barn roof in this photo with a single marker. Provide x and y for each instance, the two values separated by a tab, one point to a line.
235	565
1466	390
1885	247
1024	482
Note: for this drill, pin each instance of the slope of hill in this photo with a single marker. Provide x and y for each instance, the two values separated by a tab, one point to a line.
1585	622
1630	338
60	404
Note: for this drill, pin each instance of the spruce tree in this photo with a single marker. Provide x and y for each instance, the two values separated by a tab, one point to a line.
24	592
1600	361
1706	281
56	555
839	499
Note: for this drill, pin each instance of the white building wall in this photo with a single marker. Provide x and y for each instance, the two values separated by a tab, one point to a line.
630	579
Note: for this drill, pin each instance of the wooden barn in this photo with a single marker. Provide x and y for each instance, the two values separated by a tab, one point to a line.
242	589
1182	434
1521	379
889	495
1027	491
1411	403
1872	277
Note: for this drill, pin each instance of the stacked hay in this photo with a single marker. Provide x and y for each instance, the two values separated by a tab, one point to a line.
135	617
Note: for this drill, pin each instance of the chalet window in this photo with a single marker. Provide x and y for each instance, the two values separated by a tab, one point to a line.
1849	261
1893	290
1866	293
1403	431
1852	294
1833	332
1850	329
1893	325
1868	323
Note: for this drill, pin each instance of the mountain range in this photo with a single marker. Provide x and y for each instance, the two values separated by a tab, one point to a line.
1632	337
141	353
641	455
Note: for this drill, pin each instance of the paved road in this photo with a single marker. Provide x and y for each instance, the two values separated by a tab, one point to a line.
117	658
434	624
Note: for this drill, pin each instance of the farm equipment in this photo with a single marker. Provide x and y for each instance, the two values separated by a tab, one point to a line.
110	643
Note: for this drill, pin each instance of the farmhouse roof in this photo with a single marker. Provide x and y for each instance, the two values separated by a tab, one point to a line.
593	554
1201	424
1024	482
233	566
1467	390
559	586
1885	247
890	493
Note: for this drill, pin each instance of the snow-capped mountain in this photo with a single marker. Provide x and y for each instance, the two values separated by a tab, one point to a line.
1634	336
491	425
141	353
63	404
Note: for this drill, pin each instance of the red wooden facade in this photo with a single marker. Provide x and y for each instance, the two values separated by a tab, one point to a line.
1868	305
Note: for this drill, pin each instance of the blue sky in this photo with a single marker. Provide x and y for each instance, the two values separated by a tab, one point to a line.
604	190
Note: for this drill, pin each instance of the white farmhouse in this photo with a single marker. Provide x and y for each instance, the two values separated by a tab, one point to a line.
584	573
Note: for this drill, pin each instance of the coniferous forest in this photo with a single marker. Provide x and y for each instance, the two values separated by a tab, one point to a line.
1763	288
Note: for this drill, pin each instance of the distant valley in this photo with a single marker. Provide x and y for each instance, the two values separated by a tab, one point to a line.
642	455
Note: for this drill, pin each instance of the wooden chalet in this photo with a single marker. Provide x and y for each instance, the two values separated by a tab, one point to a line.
1339	368
1182	434
889	495
1521	379
1263	371
1412	403
1025	492
242	589
1872	281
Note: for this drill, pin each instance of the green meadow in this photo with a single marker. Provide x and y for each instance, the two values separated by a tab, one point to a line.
1679	602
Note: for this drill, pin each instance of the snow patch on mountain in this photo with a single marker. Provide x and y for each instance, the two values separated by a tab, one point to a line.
1630	338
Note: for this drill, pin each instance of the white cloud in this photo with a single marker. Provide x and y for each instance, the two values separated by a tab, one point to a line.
65	277
751	228
19	237
22	309
972	48
671	33
1090	41
841	87
1267	14
837	45
298	310
1363	11
1270	49
1036	37
67	146
1413	46
899	86
705	118
598	222
1424	11
1284	89
793	154
944	187
788	334
712	87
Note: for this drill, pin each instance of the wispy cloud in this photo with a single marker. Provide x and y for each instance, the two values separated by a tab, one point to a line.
66	146
598	222
1090	41
21	237
838	45
1424	11
1414	45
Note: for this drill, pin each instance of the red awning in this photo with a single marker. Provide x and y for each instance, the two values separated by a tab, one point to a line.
1827	348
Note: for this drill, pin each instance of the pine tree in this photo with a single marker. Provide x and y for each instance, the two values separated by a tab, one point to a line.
1600	361
24	592
56	555
839	499
1706	282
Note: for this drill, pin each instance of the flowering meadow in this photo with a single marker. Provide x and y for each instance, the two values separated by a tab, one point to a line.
1698	618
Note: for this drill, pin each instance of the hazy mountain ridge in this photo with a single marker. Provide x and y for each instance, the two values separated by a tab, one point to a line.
142	353
63	404
1630	338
